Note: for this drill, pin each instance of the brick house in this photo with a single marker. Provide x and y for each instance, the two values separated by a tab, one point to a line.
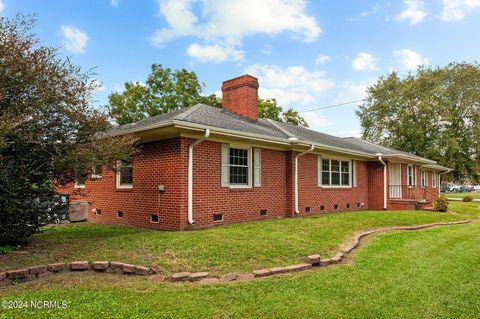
202	166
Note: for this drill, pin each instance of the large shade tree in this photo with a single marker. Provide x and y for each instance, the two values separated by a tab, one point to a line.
167	90
48	131
434	113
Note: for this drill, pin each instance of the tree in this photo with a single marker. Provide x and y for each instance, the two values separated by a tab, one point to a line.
168	90
433	113
269	109
165	90
48	132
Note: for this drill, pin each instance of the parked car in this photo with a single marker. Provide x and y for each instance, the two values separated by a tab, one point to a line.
454	188
445	188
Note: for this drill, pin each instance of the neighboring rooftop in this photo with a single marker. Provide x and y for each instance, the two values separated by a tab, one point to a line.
225	119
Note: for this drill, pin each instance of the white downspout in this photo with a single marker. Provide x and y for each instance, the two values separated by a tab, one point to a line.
379	155
190	175
296	176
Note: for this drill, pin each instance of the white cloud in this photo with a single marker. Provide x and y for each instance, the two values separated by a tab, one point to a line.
364	62
215	53
454	10
353	91
293	84
315	120
229	21
410	59
373	10
322	59
266	49
2	6
74	40
114	3
414	11
370	11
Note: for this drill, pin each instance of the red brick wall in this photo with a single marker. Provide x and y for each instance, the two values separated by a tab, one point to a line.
236	204
310	195
165	163
375	185
157	163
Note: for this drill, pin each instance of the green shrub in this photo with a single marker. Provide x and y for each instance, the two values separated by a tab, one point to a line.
441	204
7	249
468	198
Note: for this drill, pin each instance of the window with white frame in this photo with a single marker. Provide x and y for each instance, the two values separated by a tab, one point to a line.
424	178
80	181
125	173
239	160
97	172
410	175
434	179
335	172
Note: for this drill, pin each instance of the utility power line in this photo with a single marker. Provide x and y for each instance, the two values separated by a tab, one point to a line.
333	105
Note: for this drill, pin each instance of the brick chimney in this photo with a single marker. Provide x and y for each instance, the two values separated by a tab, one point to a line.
240	95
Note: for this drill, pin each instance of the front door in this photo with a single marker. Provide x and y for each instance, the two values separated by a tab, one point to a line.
395	185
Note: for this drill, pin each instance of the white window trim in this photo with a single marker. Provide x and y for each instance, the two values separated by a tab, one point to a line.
319	172
412	175
117	179
434	179
250	164
96	175
76	185
423	178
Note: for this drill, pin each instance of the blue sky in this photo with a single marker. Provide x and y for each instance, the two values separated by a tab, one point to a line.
307	54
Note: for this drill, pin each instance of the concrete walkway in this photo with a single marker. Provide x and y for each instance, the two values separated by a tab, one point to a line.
461	199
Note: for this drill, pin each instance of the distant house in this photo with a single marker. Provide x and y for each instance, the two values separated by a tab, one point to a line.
202	166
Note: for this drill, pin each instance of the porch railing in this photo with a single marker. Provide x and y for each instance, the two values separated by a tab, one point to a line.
418	192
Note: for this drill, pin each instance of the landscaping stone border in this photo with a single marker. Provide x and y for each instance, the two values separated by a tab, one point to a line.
31	273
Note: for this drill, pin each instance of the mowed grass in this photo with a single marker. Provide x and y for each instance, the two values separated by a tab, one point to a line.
233	248
432	273
462	195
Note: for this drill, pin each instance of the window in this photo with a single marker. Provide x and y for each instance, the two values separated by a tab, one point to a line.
424	178
358	204
410	175
154	218
218	217
80	181
335	173
263	212
322	207
97	211
348	205
434	179
120	214
335	206
239	161
308	209
125	173
97	172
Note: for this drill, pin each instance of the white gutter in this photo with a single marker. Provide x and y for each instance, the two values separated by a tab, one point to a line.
190	175
379	156
296	176
285	141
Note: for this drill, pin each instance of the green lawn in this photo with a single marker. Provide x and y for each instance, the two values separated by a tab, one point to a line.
432	273
238	248
462	195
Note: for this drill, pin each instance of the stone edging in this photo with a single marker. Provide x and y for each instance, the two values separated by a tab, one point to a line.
30	273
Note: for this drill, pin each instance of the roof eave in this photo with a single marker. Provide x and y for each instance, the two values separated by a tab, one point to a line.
141	128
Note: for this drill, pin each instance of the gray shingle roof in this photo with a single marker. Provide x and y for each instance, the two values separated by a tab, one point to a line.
224	119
